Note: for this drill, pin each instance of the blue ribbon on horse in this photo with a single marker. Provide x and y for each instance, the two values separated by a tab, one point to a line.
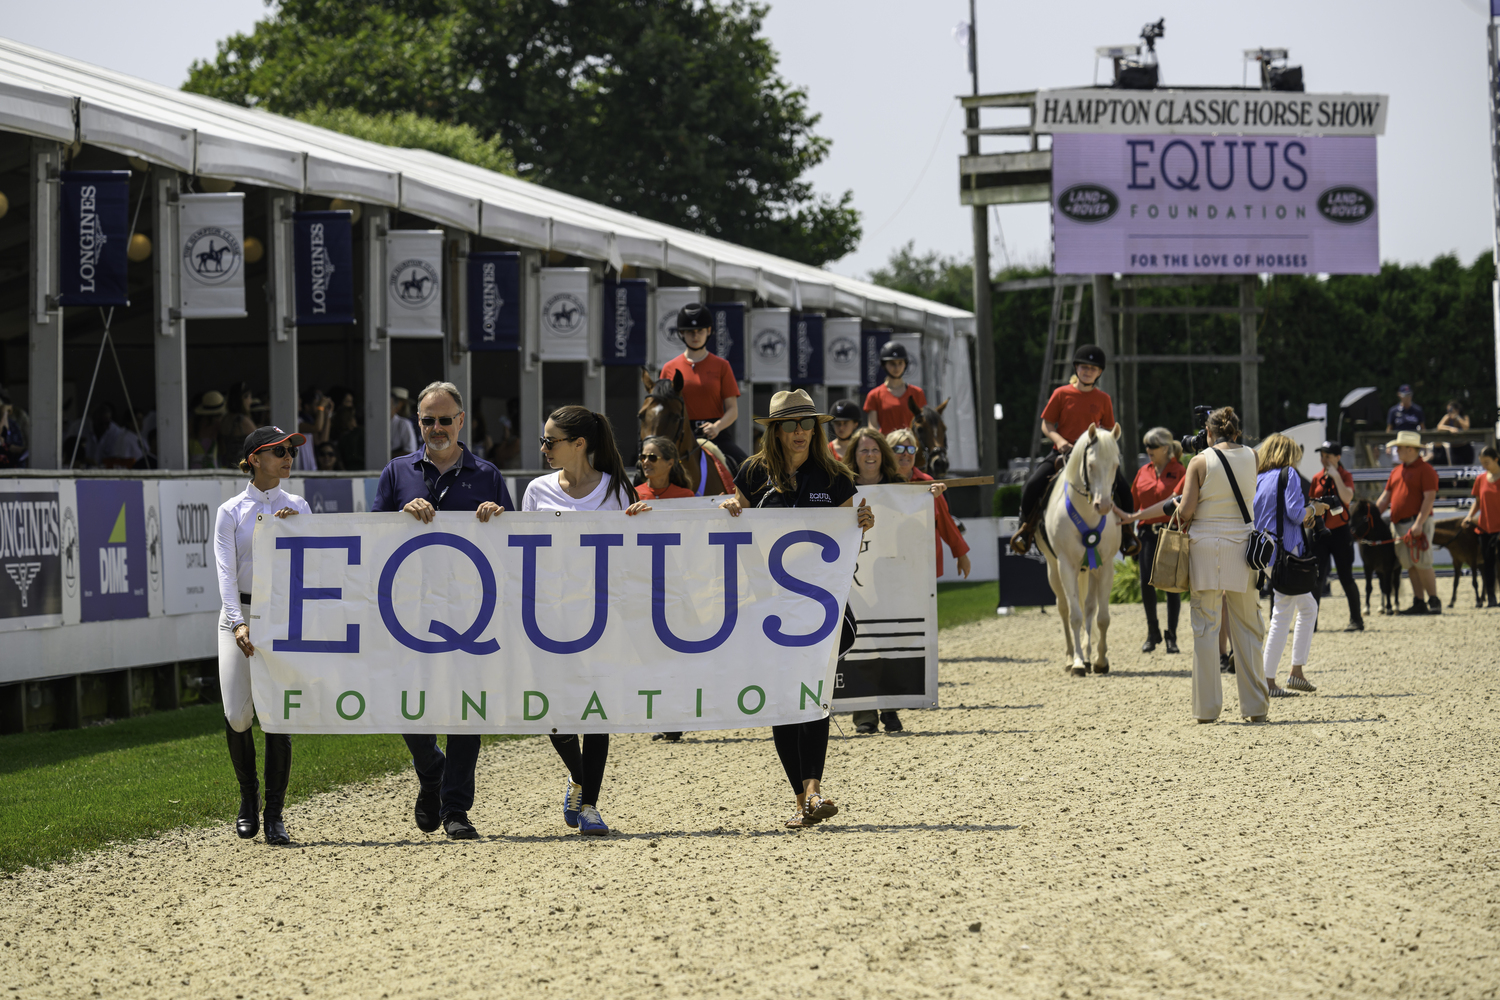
1091	536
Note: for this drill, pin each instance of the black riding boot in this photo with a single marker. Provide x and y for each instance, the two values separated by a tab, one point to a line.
242	756
278	770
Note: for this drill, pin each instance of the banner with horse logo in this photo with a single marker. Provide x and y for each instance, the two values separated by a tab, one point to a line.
807	349
211	230
915	367
842	349
625	333
323	262
769	359
548	622
669	302
495	301
414	283
95	230
564	314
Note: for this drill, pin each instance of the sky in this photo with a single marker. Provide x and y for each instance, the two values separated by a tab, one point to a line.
884	75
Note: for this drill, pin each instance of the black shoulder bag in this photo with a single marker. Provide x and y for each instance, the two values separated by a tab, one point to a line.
1292	575
1260	550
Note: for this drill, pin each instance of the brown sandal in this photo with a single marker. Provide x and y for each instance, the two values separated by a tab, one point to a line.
818	809
798	821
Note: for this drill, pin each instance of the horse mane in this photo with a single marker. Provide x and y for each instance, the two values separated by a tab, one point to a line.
663	391
1104	443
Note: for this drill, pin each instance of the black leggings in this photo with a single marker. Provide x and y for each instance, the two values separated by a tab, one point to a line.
1340	549
585	767
1489	557
1031	493
1149	537
802	747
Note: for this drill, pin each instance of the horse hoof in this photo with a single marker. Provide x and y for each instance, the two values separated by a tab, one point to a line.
1101	670
1079	671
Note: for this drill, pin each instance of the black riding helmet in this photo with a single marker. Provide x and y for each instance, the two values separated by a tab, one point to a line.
893	351
694	316
847	409
1090	354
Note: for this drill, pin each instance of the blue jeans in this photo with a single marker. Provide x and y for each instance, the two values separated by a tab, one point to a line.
454	773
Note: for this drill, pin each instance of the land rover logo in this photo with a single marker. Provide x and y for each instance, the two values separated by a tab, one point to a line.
770	345
211	255
1088	203
563	314
414	282
1346	205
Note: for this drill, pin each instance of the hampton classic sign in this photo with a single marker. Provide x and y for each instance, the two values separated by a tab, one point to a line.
1209	112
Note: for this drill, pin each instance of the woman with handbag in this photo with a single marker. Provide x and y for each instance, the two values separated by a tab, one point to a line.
1220	552
1282	508
1157	480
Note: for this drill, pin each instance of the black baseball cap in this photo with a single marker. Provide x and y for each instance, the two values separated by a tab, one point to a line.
1332	447
269	437
695	316
847	409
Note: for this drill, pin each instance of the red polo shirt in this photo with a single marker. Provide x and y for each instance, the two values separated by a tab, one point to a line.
1150	488
1320	485
893	412
1406	484
1487	496
1072	410
672	492
705	384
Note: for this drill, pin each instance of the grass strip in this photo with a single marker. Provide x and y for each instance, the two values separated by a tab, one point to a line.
962	603
76	790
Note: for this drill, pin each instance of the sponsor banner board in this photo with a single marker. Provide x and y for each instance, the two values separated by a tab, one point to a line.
331	496
211	252
95	233
625	328
414	283
842	352
807	349
579	622
113	563
189	509
894	661
323	262
1222	205
769	357
31	550
728	338
669	302
564	314
495	301
1209	112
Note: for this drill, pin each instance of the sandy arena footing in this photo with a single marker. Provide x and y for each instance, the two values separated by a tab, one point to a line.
1038	836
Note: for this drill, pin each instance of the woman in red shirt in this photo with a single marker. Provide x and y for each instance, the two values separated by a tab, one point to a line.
889	404
1157	480
664	478
1484	517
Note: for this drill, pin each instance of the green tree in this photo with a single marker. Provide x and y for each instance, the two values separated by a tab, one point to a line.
671	109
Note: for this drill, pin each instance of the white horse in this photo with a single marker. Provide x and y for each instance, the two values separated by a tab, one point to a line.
1078	512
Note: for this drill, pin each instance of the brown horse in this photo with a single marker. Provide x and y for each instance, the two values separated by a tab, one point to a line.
664	413
932	438
1463	545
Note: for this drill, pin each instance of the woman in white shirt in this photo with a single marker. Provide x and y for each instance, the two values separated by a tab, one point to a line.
580	445
268	455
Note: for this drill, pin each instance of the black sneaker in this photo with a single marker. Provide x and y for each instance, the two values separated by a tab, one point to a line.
1226	663
426	810
457	826
1434	605
891	721
1415	609
1355	626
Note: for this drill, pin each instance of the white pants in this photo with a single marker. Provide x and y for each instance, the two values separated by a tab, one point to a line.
1283	608
234	680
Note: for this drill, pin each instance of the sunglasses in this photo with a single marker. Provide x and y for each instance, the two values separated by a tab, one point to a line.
648	458
547	442
805	424
280	451
904	449
445	421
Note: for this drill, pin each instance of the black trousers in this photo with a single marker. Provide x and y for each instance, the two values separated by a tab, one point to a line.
1031	493
1489	562
802	747
585	763
1150	535
1339	548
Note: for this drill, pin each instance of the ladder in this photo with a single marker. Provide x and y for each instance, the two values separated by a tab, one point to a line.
1057	362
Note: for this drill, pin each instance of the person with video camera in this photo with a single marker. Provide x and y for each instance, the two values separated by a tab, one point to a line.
1334	485
1068	413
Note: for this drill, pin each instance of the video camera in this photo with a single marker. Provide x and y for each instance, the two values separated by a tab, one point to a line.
1320	531
1199	441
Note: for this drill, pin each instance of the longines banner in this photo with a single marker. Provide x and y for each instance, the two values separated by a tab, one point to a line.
30	555
770	345
211	230
625	333
872	372
842	351
894	662
807	349
564	314
414	283
1146	204
495	301
1209	112
95	230
546	622
323	260
728	338
669	302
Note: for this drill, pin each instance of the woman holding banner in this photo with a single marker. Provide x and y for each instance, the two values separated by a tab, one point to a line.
664	478
794	468
267	458
580	445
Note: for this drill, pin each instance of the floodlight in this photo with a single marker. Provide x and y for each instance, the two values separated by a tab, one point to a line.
1275	74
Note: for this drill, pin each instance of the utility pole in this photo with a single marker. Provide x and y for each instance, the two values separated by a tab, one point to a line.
984	339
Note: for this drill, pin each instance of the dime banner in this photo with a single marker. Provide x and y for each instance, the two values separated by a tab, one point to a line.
414	282
113	560
769	358
495	301
564	314
211	232
323	261
95	232
549	622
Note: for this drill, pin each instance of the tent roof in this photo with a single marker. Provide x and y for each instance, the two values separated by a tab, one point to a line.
54	97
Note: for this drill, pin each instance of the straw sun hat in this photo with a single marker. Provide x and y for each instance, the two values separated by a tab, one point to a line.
1411	439
790	405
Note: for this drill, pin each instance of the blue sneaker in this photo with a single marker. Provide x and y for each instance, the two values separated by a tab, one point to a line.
572	802
590	823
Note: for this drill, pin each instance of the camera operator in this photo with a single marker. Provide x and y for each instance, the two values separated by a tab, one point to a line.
1335	487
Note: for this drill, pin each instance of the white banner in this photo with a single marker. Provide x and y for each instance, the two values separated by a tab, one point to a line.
188	509
564	314
894	662
841	347
414	283
1210	112
669	302
211	229
768	358
547	622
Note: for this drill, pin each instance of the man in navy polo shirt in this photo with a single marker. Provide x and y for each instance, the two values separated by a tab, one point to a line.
442	475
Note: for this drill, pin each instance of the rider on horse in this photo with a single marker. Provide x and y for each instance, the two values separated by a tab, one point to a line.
1068	414
709	388
889	404
846	417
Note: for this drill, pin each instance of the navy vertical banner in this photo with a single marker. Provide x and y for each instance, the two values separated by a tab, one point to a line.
95	236
728	338
871	373
495	301
807	349
323	260
625	321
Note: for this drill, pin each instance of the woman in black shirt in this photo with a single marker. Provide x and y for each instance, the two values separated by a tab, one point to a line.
794	468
